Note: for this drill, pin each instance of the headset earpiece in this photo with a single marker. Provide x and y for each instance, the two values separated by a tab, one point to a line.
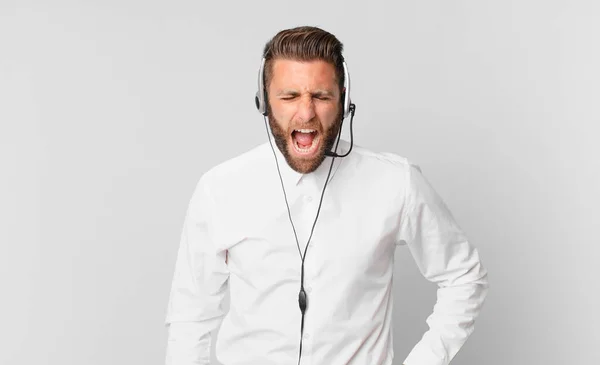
257	101
261	95
346	94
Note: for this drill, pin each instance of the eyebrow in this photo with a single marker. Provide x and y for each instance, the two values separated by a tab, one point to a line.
316	93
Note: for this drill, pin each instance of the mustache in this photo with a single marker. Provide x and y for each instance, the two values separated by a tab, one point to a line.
316	126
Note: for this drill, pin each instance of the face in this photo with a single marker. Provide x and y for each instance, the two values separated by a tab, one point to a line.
304	111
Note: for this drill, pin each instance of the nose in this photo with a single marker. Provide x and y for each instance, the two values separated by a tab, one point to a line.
306	109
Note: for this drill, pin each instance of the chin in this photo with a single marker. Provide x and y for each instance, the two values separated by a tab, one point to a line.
303	148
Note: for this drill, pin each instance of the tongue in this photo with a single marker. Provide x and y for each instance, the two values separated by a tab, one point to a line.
304	139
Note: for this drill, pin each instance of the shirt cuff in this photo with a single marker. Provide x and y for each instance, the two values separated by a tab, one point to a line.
428	352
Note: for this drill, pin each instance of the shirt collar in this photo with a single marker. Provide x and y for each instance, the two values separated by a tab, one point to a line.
293	177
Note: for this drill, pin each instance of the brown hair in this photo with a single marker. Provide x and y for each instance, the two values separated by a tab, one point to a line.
304	44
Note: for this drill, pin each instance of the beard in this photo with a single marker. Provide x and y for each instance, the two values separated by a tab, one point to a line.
283	137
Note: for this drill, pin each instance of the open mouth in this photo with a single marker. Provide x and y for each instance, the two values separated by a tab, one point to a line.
305	141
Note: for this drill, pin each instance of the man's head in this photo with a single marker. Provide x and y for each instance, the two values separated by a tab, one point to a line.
304	81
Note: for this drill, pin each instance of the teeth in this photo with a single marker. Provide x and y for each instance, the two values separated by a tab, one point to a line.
305	130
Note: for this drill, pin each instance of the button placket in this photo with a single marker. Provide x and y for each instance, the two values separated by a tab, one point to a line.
312	191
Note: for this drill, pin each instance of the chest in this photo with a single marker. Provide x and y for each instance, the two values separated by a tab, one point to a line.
353	237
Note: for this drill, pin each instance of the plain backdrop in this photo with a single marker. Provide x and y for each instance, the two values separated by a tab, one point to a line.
110	111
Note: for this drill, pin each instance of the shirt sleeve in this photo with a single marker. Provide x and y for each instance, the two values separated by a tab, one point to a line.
444	256
199	285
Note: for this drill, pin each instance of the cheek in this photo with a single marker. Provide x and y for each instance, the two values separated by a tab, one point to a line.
328	114
282	115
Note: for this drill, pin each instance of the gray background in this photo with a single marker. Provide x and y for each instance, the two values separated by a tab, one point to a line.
111	110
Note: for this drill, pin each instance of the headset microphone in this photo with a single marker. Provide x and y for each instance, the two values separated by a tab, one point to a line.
333	154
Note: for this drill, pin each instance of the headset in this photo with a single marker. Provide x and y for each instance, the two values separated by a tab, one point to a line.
349	109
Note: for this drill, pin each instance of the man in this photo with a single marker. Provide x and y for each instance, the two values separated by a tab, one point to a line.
303	236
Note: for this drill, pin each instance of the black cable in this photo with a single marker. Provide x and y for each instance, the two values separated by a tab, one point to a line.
302	297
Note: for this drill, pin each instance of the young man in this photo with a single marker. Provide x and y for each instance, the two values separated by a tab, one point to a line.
303	234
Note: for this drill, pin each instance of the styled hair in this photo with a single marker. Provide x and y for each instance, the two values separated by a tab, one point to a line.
304	44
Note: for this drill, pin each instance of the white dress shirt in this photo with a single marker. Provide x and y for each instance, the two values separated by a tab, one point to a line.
237	236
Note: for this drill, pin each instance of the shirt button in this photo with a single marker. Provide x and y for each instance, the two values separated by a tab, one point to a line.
308	289
309	199
306	336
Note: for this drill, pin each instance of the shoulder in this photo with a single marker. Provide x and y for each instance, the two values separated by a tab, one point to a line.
382	176
383	161
241	167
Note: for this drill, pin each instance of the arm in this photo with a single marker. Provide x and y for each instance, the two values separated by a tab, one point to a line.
199	286
444	256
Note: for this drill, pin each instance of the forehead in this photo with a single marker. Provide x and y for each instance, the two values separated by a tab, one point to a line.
303	74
